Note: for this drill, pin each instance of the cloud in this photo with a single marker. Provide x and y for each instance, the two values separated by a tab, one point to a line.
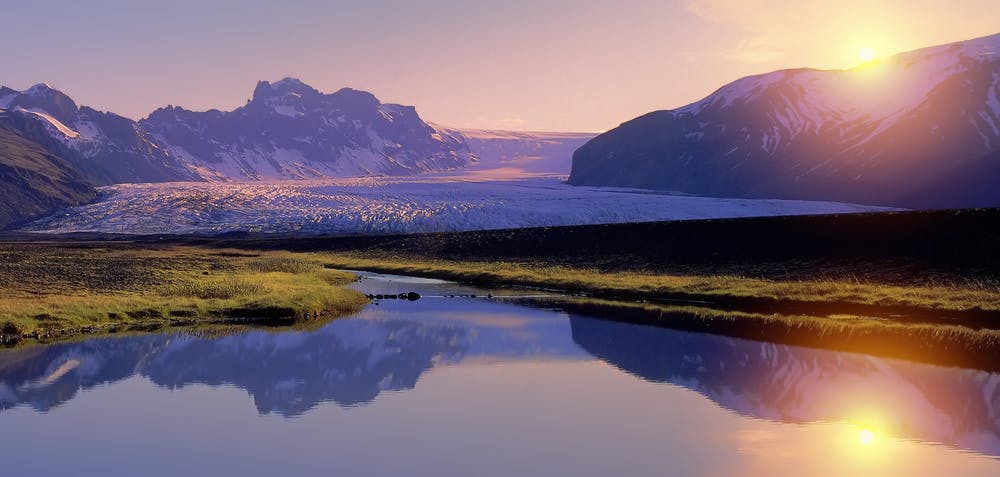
757	23
751	51
756	50
777	33
701	8
762	16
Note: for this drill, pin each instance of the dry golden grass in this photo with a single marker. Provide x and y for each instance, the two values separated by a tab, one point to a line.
984	296
56	290
927	337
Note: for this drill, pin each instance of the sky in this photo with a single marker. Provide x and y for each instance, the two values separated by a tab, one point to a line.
542	65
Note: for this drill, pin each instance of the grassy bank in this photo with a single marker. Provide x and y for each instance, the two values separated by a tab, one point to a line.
920	285
982	298
53	290
942	344
942	324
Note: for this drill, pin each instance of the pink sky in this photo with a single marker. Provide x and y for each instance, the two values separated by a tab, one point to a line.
561	65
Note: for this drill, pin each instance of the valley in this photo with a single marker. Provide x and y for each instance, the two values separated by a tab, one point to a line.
540	238
853	282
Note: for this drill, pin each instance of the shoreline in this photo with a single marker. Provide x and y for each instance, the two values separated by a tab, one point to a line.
918	285
60	291
966	338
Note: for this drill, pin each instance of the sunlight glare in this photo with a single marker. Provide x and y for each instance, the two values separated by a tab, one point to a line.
866	54
866	436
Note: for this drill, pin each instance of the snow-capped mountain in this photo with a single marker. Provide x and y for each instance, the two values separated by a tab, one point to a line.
289	130
107	148
917	129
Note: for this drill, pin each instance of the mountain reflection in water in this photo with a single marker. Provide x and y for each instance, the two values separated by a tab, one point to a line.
389	347
801	385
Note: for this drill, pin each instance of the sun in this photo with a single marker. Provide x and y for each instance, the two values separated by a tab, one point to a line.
866	436
866	54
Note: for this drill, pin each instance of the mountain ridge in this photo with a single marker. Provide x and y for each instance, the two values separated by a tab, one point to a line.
286	130
877	134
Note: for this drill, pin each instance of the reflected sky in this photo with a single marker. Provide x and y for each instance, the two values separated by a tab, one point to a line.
477	387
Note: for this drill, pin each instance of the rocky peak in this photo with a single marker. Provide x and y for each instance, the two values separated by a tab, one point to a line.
287	88
46	98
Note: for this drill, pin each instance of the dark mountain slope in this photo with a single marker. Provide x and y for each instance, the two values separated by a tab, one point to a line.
885	133
34	182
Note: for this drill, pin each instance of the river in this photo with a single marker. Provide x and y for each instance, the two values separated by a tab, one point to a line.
484	385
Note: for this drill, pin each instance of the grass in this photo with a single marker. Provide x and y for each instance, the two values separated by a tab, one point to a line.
948	344
222	288
714	288
49	291
283	264
955	323
944	323
63	290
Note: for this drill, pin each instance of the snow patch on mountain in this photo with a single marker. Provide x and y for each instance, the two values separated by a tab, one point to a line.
869	91
55	123
286	110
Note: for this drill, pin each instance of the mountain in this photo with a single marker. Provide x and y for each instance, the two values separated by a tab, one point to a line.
291	131
33	181
107	148
287	130
919	129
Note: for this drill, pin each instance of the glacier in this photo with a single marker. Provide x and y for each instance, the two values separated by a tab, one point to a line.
388	205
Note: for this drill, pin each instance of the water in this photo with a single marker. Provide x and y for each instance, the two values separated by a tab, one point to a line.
474	386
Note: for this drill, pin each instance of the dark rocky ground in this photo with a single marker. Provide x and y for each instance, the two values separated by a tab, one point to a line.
907	248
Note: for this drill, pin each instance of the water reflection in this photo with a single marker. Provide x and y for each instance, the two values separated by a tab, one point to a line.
286	373
389	347
348	362
800	385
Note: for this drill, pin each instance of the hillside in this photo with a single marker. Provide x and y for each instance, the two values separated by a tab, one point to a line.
107	148
34	182
919	129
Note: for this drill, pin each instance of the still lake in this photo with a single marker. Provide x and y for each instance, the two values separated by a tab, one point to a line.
484	386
